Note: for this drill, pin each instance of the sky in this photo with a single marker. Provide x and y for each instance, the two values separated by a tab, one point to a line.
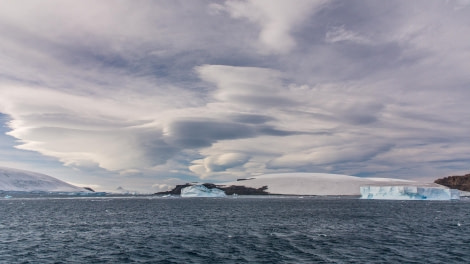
148	94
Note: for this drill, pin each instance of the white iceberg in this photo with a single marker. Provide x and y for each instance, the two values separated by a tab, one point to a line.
408	193
201	191
316	183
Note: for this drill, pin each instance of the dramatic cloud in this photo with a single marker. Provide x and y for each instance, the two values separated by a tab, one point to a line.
276	19
144	95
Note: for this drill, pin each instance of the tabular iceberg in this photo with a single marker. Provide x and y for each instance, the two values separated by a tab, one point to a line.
408	193
201	191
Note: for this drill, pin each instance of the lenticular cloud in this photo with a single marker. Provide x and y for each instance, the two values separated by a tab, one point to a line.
155	89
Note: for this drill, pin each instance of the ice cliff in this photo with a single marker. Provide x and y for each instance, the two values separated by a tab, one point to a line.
201	191
408	193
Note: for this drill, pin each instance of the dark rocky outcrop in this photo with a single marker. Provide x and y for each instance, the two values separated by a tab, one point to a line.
245	179
456	182
243	190
229	190
89	189
174	191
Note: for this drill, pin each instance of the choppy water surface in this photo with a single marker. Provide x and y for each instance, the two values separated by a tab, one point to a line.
228	230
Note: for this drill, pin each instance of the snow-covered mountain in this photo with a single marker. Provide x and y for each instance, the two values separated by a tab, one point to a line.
27	181
319	183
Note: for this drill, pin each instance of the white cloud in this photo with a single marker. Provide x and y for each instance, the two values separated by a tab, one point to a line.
277	19
247	86
224	161
166	184
80	130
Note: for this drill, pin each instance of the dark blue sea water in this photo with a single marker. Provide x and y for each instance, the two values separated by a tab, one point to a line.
228	230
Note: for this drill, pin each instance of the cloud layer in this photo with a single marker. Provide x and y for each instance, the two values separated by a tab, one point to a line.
163	90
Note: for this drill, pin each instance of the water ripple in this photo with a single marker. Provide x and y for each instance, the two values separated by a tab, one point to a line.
244	230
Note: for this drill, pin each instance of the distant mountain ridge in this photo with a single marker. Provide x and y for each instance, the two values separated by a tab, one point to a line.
456	182
28	181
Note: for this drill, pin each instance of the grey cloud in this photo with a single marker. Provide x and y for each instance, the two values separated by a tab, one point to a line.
361	119
359	151
264	100
357	118
270	131
389	46
203	133
196	134
155	150
364	113
361	114
225	161
77	42
252	119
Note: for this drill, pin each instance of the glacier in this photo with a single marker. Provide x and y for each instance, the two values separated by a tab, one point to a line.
15	180
201	191
408	193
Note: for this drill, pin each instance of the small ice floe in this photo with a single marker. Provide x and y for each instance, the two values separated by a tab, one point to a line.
7	196
322	235
459	224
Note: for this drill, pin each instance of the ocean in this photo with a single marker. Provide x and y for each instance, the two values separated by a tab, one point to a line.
232	230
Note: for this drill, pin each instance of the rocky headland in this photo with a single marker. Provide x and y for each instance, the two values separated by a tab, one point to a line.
229	190
461	183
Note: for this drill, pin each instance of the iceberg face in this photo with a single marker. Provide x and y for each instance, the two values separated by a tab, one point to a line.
201	191
408	193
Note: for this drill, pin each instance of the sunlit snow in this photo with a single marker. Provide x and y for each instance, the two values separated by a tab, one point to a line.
319	183
27	181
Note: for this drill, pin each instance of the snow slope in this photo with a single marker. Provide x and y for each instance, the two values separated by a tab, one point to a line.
320	183
27	181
